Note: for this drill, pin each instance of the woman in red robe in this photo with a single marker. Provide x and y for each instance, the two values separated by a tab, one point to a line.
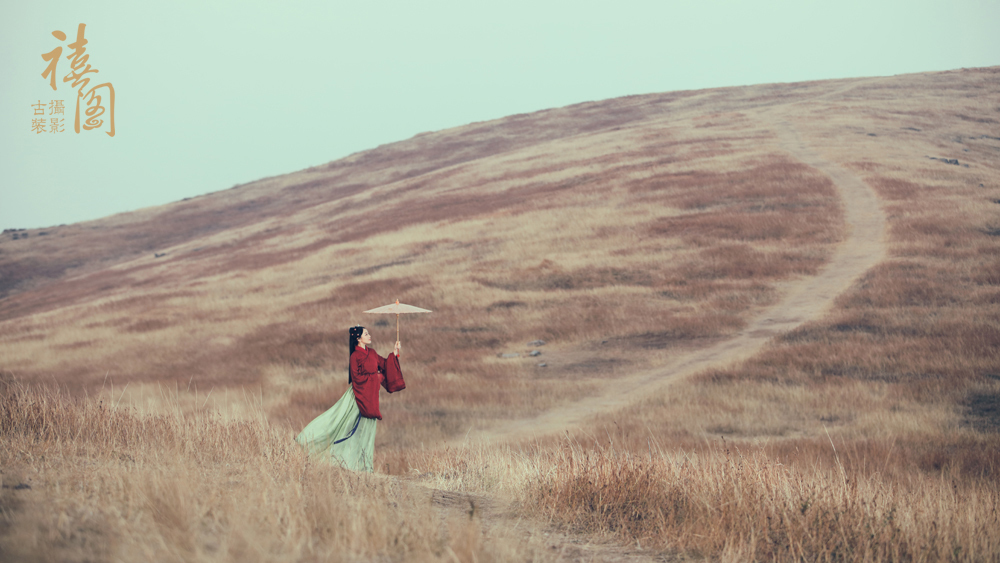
368	370
345	434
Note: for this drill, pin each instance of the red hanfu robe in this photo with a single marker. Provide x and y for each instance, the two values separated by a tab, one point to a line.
368	371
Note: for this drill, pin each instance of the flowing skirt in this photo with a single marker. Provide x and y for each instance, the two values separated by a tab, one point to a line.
341	436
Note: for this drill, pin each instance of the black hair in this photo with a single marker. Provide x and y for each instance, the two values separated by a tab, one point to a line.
355	333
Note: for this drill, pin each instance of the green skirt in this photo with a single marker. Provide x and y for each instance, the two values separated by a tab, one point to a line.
341	436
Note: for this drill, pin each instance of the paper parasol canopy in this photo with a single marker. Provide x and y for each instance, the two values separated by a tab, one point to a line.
397	309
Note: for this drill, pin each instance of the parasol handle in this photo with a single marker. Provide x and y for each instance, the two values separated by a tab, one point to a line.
397	326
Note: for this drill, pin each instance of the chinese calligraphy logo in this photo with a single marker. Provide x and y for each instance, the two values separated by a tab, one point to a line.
79	68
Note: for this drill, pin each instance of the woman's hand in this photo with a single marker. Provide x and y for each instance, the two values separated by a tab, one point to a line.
396	349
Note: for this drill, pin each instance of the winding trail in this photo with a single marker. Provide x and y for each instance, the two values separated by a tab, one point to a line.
863	247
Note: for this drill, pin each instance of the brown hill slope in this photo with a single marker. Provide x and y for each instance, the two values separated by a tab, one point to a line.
619	232
86	246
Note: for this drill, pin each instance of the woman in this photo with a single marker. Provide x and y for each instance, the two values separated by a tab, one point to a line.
345	434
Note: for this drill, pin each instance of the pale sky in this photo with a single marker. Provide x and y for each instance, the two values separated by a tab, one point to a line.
211	94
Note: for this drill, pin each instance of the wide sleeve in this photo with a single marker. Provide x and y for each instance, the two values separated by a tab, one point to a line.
393	375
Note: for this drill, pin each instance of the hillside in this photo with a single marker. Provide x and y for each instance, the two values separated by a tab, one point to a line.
783	265
644	223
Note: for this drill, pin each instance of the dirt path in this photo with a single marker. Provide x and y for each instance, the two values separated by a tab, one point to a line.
555	544
863	247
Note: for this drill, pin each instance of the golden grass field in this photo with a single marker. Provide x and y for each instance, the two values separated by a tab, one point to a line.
722	381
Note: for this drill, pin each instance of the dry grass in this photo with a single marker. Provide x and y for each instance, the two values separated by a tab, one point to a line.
84	480
812	502
750	507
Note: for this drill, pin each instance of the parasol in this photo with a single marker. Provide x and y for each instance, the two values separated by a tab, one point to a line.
397	308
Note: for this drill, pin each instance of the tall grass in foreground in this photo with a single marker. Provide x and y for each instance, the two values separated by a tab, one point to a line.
722	504
85	482
752	508
109	483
